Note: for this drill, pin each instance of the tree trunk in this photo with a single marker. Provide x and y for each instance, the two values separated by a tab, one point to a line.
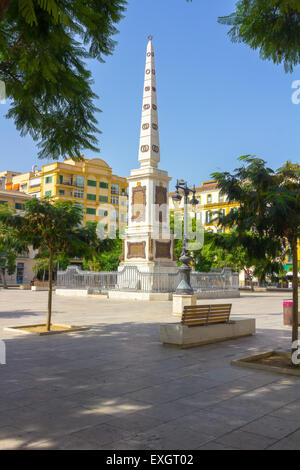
48	325
295	293
4	4
3	278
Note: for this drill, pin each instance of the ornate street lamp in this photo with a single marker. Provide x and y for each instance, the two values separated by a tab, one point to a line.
184	287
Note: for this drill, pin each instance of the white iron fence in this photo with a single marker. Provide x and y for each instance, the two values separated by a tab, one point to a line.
132	279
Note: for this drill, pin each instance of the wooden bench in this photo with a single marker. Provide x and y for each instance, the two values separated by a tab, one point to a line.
196	315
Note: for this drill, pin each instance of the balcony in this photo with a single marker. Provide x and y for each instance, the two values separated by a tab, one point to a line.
70	182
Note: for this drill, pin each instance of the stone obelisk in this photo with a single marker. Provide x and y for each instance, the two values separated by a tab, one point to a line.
148	243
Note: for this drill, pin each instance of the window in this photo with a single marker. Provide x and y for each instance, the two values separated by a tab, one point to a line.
34	182
123	192
208	217
48	179
114	216
61	192
103	185
19	206
36	195
48	193
91	183
78	193
23	187
114	188
114	200
60	179
221	197
20	273
209	199
79	181
102	213
91	197
103	198
91	211
122	218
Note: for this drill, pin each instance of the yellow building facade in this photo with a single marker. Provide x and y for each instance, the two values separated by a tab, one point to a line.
89	183
211	201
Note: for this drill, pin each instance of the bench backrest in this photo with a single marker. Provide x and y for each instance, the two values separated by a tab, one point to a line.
205	314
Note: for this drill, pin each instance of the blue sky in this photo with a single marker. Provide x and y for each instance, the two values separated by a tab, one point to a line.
216	100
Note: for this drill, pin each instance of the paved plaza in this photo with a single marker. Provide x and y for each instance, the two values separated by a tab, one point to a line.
116	387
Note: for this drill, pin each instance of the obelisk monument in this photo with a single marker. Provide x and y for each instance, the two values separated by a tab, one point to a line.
148	243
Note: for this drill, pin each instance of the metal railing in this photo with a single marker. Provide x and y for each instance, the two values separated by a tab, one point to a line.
130	278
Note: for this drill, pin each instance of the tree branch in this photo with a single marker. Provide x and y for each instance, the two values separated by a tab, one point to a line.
4	4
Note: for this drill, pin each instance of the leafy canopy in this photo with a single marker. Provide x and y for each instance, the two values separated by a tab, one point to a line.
271	26
106	252
44	46
269	200
52	227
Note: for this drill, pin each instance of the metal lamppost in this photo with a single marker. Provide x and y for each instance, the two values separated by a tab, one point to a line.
184	287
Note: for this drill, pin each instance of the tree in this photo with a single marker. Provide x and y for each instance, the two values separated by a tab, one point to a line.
54	227
249	252
272	26
44	46
10	248
106	252
41	266
269	208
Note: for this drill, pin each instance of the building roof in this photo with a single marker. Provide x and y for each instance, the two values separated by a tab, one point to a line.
12	194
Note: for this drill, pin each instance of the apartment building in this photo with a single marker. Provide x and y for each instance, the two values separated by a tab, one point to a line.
89	183
211	201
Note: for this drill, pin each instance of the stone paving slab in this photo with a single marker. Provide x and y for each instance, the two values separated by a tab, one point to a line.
116	387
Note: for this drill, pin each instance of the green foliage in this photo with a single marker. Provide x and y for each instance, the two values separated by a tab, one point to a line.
10	247
27	10
44	46
269	209
271	26
41	265
269	200
106	253
53	227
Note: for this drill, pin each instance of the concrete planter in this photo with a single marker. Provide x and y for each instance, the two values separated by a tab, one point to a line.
252	362
184	336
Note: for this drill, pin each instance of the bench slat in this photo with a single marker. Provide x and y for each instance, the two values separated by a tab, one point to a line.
223	317
201	317
201	312
205	307
194	315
